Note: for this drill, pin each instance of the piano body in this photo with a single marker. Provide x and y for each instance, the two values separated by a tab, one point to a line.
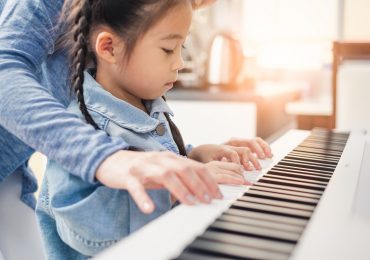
311	201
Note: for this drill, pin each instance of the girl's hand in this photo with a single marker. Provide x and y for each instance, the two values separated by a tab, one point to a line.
227	173
256	145
186	179
213	152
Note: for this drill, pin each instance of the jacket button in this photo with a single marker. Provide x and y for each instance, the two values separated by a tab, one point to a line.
160	130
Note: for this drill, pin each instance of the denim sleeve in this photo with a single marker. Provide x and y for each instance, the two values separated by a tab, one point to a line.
28	109
2	3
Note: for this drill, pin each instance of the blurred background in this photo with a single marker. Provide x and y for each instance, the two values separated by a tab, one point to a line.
261	67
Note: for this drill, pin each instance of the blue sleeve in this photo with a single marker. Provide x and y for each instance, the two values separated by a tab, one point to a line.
2	3
29	109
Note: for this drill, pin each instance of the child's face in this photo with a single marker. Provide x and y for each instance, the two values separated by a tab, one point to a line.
156	59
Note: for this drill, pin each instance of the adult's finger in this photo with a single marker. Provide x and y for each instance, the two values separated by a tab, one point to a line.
139	195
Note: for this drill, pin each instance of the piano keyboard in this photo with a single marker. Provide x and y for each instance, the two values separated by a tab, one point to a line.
268	220
291	210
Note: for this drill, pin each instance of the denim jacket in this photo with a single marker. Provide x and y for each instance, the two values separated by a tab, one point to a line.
90	217
34	95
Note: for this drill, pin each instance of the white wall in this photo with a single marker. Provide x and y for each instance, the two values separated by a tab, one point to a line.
202	122
356	20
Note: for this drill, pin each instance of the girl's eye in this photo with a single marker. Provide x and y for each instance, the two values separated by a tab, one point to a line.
170	51
167	51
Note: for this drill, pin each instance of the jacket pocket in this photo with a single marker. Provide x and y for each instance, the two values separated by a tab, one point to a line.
95	222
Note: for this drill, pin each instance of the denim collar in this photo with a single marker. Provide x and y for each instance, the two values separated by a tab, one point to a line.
121	112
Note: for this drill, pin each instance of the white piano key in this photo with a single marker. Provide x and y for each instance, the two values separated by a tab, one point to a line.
156	240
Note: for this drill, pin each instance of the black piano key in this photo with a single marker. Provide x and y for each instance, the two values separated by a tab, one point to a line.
300	169
290	162
267	221
296	178
284	186
292	183
307	176
219	249
317	151
314	197
306	166
271	209
321	150
266	217
188	255
246	241
337	142
326	146
320	161
314	155
278	203
254	231
282	197
260	223
305	171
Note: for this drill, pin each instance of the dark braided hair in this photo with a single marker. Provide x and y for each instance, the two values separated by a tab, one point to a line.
79	53
128	18
177	137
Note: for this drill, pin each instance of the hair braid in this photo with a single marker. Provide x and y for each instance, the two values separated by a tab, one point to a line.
81	30
176	134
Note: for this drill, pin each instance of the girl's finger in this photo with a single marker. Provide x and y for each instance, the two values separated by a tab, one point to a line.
179	189
230	179
230	154
256	148
231	167
256	164
210	181
266	148
195	184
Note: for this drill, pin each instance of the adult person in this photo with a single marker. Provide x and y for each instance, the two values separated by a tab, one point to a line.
34	94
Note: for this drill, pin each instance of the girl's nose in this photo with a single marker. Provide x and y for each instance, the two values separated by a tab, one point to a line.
178	63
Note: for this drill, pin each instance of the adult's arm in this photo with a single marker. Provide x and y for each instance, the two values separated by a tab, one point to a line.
32	111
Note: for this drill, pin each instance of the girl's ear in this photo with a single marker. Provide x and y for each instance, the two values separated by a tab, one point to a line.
108	47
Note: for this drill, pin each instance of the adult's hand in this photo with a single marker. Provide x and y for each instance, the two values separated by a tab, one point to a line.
186	179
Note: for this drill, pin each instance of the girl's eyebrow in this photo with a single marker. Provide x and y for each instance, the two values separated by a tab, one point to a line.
173	36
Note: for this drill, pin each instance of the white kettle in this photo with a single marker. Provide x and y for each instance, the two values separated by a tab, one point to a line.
225	60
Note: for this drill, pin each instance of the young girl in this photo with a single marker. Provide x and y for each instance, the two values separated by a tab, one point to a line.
133	49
